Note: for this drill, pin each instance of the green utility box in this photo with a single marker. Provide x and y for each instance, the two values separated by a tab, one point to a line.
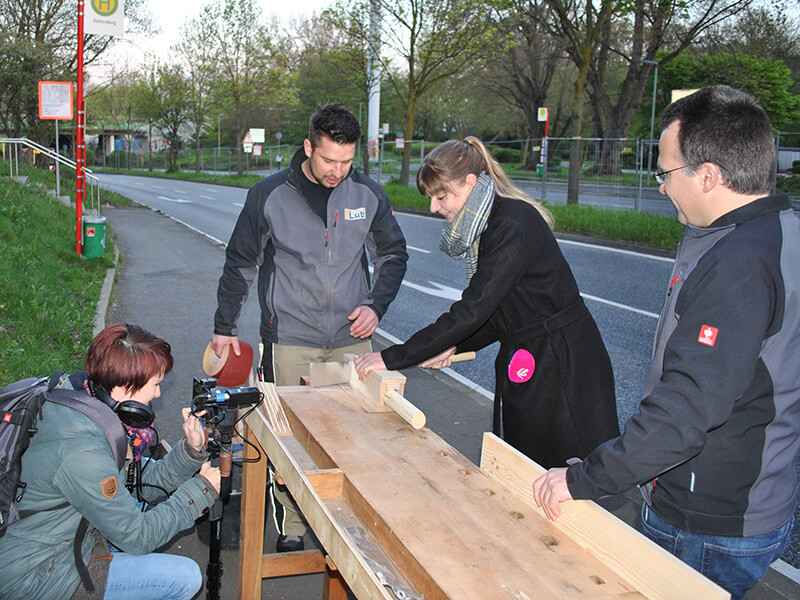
94	236
540	169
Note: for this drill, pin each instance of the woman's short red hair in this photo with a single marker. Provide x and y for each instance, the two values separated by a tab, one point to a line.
127	356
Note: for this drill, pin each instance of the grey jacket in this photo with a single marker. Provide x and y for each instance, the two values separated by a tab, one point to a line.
70	460
311	275
719	426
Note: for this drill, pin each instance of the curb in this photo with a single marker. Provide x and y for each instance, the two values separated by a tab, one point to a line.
105	296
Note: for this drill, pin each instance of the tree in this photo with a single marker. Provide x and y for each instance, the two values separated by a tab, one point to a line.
196	50
169	102
527	62
251	58
768	80
644	32
39	41
581	25
434	39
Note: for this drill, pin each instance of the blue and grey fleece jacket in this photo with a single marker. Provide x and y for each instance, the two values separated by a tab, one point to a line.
718	432
311	274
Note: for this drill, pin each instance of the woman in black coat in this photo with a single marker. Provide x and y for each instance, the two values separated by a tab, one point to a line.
554	391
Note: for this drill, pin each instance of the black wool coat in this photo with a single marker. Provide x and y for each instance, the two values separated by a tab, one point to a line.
524	295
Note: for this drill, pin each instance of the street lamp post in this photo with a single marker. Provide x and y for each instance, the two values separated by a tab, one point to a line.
638	199
652	113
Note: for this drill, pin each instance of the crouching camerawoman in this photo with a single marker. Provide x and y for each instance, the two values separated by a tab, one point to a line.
80	499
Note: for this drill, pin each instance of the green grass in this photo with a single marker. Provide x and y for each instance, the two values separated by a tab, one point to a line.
627	226
46	179
49	295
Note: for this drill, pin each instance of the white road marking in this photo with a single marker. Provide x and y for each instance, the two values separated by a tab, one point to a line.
239	204
176	200
180	192
786	570
439	290
206	197
418	249
617	250
638	311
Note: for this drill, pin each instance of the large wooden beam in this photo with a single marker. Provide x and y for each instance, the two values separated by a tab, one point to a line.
653	571
334	539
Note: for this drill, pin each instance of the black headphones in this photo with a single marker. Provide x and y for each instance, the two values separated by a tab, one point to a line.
130	412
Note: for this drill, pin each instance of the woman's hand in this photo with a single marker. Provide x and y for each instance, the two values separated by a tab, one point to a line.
212	475
193	430
366	363
440	361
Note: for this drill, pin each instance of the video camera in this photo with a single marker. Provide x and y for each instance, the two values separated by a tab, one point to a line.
218	401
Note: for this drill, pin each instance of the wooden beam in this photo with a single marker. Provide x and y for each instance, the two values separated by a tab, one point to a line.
334	539
651	570
304	562
328	483
251	544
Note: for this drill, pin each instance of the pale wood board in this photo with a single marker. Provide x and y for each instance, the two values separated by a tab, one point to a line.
470	534
653	571
351	564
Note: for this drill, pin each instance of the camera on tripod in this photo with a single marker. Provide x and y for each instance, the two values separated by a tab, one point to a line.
219	401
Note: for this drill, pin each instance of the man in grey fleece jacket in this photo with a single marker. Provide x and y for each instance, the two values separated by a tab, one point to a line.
308	232
717	435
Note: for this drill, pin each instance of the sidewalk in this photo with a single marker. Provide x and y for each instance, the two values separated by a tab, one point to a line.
167	282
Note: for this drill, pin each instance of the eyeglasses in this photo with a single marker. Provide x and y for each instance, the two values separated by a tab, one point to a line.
661	175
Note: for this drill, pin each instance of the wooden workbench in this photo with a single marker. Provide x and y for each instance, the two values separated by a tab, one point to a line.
401	514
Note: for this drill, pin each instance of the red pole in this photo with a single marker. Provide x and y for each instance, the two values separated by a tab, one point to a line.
80	144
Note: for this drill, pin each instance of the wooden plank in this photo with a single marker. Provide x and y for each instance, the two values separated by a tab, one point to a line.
472	537
653	571
251	544
328	483
334	539
293	563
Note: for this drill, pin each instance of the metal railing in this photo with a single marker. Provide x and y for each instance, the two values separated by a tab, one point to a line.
93	183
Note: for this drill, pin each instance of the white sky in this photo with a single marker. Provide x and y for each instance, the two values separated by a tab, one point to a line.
168	17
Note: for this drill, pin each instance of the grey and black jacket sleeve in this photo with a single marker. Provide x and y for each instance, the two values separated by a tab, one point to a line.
387	245
699	383
243	256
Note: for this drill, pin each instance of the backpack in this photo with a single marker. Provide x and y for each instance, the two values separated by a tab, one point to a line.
20	410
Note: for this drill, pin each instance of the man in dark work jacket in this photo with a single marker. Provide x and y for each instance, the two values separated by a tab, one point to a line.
717	435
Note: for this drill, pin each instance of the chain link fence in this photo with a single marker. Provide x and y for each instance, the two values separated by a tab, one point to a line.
612	172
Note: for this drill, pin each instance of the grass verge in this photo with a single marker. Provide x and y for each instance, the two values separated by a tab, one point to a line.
627	226
242	181
49	295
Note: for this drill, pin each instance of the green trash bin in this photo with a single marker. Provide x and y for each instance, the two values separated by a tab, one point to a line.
540	169
94	236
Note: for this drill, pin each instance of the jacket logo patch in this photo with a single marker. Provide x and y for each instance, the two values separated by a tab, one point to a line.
355	214
108	487
708	335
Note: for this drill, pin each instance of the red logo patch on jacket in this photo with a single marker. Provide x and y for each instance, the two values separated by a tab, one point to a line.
708	335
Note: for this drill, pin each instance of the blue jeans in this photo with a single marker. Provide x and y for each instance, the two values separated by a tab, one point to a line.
734	563
152	577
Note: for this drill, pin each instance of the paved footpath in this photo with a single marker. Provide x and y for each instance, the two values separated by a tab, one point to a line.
167	282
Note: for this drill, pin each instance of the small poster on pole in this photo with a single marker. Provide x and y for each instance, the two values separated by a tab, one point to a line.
541	114
55	100
105	17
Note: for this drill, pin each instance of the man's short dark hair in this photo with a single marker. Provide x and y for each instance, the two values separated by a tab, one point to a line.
336	122
726	127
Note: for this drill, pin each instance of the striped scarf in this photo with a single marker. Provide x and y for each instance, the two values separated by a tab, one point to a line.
462	236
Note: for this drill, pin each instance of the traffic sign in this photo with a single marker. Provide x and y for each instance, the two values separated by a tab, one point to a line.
55	100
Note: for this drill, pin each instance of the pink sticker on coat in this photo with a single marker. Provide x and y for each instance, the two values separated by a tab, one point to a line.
521	367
